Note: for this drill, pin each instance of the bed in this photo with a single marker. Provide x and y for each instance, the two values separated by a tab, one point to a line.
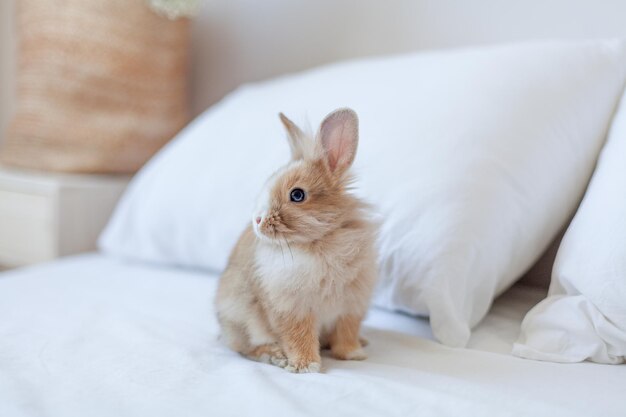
103	337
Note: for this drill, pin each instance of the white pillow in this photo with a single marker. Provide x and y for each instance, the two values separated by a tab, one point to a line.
474	158
584	316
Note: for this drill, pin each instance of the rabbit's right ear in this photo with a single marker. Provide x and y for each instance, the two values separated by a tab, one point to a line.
298	141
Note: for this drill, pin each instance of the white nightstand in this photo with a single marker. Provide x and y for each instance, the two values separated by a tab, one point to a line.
46	215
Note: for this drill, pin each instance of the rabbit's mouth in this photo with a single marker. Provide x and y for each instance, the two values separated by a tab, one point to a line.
269	228
279	228
265	236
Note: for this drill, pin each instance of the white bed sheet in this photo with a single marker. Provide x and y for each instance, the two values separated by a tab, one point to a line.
93	336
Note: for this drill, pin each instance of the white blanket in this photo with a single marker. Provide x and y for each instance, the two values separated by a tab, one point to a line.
92	336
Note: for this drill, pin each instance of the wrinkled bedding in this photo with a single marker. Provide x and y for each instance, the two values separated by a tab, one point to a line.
95	336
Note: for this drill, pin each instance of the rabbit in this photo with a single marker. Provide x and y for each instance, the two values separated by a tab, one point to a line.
301	276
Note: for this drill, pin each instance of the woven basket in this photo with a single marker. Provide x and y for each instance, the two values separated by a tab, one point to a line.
101	85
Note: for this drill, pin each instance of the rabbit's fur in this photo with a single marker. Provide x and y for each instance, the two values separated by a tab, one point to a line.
302	273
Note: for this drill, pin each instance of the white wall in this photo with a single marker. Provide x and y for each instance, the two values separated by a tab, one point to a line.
243	40
7	63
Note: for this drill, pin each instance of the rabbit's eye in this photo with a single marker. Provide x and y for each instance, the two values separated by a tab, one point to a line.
297	195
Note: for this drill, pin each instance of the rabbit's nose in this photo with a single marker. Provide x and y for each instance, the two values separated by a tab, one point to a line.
258	220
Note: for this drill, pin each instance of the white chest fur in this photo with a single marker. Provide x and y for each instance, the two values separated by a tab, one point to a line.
282	263
298	282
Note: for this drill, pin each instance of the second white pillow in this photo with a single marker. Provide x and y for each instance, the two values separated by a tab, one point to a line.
584	317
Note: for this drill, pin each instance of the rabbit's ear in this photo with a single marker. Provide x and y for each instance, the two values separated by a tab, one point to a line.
339	137
297	138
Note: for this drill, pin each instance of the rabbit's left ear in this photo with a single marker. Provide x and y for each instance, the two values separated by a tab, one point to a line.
339	137
297	138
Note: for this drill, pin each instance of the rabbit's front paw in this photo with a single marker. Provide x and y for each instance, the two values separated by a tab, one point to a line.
303	367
